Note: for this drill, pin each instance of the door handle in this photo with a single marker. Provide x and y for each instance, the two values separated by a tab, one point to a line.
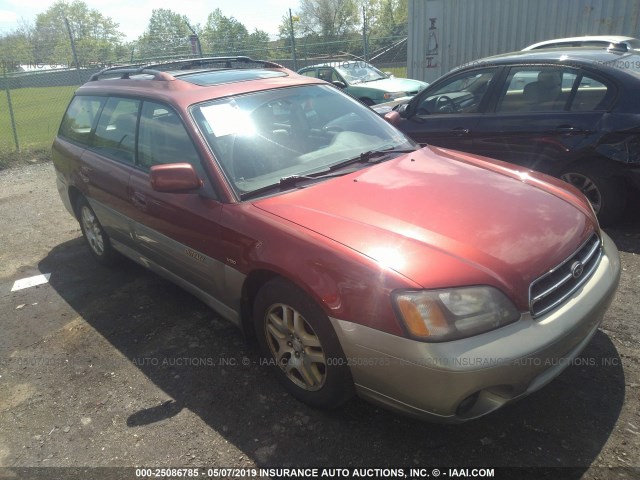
139	200
460	131
569	130
84	174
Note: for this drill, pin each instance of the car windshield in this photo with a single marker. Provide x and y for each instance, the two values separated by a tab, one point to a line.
261	138
359	72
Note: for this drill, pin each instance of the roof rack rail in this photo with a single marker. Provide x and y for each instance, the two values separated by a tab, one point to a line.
126	72
203	62
159	69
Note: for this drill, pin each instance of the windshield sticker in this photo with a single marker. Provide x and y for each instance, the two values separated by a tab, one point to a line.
227	119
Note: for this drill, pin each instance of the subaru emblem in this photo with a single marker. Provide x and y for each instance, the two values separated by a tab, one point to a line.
576	269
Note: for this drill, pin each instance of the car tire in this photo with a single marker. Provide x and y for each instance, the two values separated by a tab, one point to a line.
606	193
299	344
93	233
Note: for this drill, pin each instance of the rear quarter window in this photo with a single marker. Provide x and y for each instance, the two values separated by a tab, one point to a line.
79	119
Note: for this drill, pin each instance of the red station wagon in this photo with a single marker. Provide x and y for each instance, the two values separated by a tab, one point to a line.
440	284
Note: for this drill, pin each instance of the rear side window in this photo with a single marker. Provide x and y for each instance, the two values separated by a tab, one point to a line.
80	118
536	89
590	95
115	135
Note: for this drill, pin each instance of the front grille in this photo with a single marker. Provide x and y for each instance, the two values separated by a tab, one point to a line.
555	286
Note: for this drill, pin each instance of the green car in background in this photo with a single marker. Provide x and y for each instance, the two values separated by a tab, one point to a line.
364	81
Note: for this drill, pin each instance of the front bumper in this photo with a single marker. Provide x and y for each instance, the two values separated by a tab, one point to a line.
465	379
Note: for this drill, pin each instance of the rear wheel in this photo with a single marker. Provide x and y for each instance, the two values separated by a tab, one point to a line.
298	341
95	236
606	193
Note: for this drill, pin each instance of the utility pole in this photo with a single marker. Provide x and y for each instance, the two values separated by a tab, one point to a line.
364	31
73	49
11	115
293	42
195	38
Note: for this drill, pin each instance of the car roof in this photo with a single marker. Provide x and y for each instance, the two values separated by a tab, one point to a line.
338	63
189	81
580	56
604	39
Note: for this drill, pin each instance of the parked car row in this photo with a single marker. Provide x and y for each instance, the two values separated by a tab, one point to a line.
437	283
571	113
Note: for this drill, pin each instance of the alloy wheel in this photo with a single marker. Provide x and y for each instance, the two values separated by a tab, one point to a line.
588	188
92	230
295	347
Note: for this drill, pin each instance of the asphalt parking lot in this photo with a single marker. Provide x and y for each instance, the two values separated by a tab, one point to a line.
118	367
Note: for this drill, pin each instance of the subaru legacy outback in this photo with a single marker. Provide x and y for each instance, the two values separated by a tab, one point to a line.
440	284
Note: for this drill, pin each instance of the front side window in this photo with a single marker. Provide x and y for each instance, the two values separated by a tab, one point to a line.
80	118
115	135
461	94
262	137
328	75
164	139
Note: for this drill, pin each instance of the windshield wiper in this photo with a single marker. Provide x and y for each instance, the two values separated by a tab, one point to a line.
370	155
291	181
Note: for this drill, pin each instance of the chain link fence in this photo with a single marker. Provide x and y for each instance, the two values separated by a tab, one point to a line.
33	97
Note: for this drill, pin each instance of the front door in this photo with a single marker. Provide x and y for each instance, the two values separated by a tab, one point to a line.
179	232
447	114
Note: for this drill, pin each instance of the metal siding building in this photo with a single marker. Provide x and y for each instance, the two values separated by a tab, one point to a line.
446	33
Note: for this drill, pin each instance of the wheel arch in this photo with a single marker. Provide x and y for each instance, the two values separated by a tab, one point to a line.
606	178
596	163
250	288
74	193
256	279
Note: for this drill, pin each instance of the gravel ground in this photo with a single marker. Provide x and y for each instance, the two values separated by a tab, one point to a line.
117	367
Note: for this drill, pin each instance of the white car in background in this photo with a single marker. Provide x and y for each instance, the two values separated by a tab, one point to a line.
615	42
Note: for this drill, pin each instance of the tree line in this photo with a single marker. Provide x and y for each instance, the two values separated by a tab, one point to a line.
96	37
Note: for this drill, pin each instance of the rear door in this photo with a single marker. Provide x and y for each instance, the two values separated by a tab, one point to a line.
107	164
448	113
544	117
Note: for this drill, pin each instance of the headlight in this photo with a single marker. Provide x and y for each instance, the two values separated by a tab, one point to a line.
443	315
394	95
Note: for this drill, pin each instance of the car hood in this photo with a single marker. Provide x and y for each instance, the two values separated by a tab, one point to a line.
394	85
443	218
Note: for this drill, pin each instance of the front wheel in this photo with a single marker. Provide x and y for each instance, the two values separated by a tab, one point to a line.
298	341
95	236
605	193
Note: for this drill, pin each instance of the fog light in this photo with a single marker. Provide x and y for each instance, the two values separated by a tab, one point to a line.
467	404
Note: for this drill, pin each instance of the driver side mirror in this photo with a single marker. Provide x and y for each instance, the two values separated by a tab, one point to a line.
393	118
174	178
339	84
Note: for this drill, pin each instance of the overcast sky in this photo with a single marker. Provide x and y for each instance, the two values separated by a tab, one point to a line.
133	15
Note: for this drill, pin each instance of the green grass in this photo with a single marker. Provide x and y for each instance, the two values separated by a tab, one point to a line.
37	112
